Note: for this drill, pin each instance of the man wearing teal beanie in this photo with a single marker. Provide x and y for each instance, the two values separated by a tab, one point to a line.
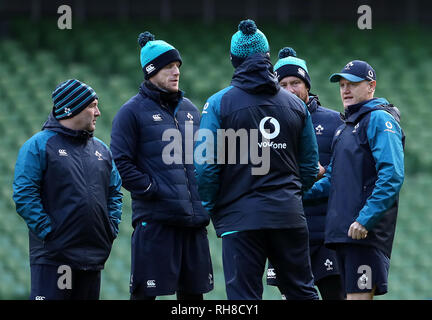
170	249
259	215
156	54
293	75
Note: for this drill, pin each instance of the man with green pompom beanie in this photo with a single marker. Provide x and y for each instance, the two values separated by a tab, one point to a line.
170	249
255	201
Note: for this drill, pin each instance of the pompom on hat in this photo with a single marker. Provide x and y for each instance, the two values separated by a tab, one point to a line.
155	54
290	65
247	41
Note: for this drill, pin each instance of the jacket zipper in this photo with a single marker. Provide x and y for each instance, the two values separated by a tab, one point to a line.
184	167
85	171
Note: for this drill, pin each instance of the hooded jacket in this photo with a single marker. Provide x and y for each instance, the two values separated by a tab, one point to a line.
237	196
325	122
365	175
152	144
67	189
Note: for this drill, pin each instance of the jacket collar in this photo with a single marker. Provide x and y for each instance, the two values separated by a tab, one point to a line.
54	125
313	103
159	95
355	111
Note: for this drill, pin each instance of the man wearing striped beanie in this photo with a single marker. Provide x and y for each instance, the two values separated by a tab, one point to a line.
70	98
68	191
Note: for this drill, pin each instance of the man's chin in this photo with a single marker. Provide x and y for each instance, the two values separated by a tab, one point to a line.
173	89
347	103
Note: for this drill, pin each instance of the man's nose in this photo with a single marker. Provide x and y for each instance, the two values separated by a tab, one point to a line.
97	112
176	70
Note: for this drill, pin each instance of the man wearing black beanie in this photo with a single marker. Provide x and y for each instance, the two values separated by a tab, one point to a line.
292	74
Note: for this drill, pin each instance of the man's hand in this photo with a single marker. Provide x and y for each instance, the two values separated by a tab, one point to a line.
357	231
321	172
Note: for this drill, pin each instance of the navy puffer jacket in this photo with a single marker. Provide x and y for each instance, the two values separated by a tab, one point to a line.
161	191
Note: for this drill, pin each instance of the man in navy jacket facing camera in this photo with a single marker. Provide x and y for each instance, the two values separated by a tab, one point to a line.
363	182
68	191
170	249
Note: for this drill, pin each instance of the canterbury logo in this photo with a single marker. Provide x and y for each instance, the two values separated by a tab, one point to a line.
62	152
301	72
150	68
157	117
151	283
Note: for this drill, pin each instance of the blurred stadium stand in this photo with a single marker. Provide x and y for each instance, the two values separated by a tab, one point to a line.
209	11
35	56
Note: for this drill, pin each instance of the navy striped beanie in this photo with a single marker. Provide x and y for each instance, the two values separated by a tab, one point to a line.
71	97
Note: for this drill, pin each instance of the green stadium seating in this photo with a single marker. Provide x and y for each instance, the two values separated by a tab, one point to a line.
106	56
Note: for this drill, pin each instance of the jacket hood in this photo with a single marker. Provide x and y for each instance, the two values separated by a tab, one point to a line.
255	75
54	125
355	111
385	105
313	102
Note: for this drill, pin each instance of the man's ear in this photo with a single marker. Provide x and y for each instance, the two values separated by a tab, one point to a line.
372	86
